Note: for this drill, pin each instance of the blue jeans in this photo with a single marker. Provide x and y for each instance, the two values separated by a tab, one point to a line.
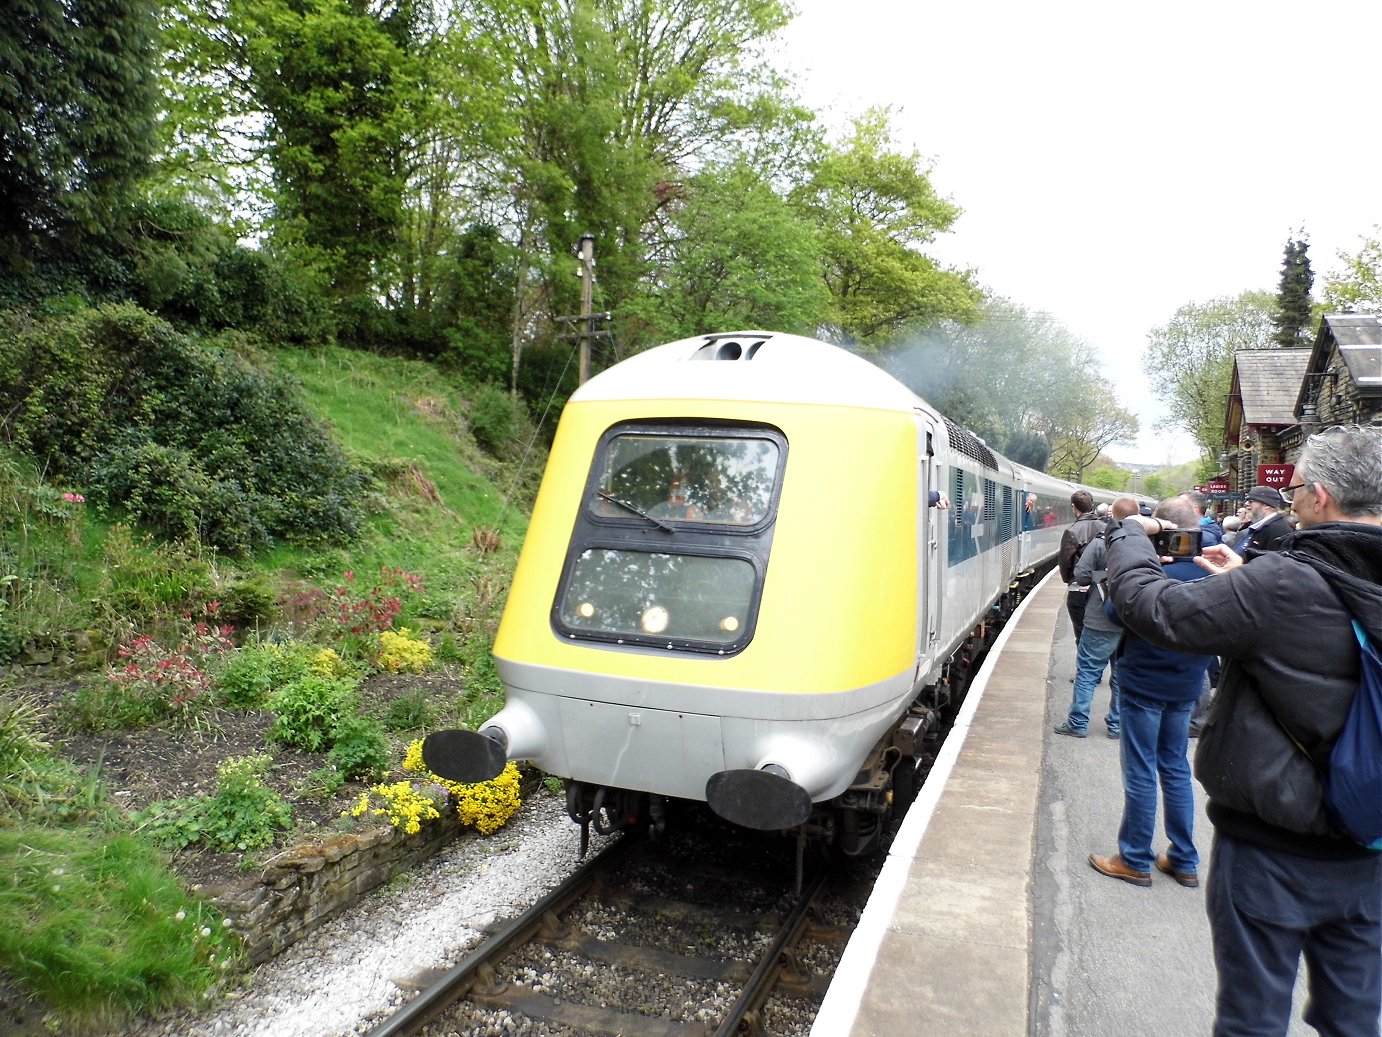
1155	737
1266	908
1095	649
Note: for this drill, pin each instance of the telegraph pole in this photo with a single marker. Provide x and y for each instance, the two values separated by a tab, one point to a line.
587	323
587	290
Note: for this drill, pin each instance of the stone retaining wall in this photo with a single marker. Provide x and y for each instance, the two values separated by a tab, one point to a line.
309	885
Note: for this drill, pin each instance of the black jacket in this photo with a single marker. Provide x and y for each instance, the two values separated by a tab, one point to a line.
1290	671
1269	538
1073	541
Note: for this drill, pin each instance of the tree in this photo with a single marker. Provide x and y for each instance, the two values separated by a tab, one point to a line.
1293	317
77	102
337	81
1190	360
1358	287
875	209
740	259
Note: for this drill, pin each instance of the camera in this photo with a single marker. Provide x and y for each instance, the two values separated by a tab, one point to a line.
1178	543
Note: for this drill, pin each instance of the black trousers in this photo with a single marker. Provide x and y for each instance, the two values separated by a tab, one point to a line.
1075	604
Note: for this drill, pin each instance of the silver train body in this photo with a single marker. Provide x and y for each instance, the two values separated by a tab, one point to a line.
734	589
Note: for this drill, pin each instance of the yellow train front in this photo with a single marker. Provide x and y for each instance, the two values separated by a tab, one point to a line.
730	590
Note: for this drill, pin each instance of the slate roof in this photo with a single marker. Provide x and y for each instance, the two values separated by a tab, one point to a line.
1359	336
1269	381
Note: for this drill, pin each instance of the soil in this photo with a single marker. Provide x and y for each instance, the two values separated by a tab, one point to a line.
139	767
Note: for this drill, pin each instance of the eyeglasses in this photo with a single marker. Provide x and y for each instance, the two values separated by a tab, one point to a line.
1289	492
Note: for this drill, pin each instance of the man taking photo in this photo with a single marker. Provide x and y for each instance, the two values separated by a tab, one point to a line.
1282	880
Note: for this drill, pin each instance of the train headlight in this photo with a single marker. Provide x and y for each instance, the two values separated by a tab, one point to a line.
655	619
729	624
585	610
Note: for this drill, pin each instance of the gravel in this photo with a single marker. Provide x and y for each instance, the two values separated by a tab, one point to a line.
342	979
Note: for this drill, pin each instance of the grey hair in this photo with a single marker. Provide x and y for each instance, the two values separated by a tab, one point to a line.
1347	461
1179	510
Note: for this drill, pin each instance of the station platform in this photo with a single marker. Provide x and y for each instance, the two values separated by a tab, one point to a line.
987	918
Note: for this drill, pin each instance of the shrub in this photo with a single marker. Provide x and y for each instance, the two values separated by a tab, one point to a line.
410	712
142	580
308	711
401	804
491	417
359	747
249	675
487	805
154	682
402	653
243	814
193	439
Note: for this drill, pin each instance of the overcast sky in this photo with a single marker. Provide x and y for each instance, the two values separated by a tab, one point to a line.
1117	161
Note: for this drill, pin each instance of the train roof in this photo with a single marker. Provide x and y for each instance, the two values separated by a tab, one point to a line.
763	366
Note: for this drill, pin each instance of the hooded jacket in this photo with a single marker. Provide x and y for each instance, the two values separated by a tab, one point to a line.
1291	669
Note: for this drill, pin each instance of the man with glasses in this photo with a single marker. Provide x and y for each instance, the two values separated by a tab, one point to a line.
1268	526
1283	881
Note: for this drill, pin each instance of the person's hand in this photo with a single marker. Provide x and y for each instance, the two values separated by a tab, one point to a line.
942	501
1218	559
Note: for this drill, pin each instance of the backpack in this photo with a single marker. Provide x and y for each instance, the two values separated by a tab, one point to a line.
1353	784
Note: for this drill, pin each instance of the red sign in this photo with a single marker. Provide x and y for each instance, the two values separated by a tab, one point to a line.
1216	486
1275	475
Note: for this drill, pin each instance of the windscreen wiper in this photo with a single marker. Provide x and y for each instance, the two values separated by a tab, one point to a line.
637	511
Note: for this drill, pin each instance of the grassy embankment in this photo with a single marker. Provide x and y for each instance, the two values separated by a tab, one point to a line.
90	918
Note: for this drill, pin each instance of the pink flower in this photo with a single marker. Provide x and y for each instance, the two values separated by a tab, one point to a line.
74	498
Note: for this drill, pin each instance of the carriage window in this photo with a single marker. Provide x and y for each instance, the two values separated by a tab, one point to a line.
725	480
655	598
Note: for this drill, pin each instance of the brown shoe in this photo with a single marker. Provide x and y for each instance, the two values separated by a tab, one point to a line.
1114	868
1188	879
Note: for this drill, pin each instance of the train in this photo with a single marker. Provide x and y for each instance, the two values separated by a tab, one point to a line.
735	589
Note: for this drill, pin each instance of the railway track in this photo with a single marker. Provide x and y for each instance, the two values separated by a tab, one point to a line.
698	934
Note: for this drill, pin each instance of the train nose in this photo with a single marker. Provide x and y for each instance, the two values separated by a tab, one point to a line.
766	799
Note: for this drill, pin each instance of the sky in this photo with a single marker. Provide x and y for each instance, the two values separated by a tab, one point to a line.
1117	161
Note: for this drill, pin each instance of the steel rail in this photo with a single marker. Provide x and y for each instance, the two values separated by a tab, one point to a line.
436	998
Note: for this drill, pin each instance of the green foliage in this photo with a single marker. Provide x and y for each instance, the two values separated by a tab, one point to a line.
249	676
742	259
193	441
337	82
307	711
360	749
1358	286
96	925
189	268
874	209
411	712
1108	478
244	813
491	417
141	579
1189	362
76	126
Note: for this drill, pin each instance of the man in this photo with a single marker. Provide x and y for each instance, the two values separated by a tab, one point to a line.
1072	542
1099	639
1210	531
1158	687
1282	881
1268	526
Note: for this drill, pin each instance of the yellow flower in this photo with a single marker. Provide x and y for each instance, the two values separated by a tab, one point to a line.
402	653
